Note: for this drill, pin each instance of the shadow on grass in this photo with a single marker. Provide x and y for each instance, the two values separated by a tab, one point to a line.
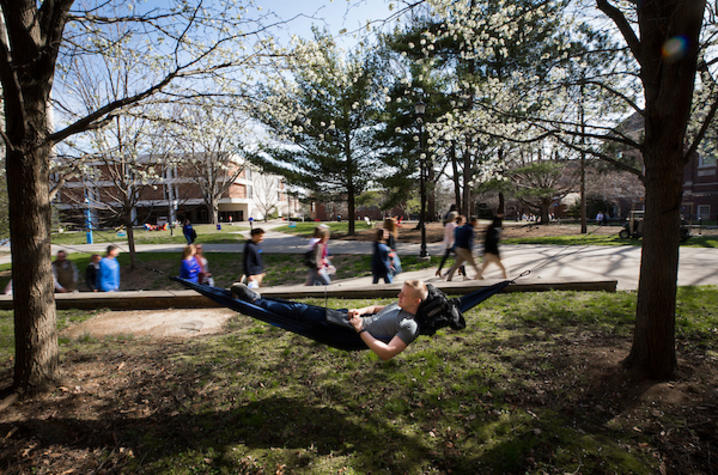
273	422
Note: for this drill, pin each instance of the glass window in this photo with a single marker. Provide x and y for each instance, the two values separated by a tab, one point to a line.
706	161
703	211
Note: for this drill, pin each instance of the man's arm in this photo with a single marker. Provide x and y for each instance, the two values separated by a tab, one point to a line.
370	310
385	351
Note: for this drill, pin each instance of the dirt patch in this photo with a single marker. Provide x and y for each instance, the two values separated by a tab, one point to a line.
174	323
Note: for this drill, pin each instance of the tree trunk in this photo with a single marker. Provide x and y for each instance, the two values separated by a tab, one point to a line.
455	177
131	241
213	209
466	198
430	191
653	351
351	191
27	167
668	89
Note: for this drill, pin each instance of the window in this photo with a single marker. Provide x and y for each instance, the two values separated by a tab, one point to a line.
705	161
249	191
703	211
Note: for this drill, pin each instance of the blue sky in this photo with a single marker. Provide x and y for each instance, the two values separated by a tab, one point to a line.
336	16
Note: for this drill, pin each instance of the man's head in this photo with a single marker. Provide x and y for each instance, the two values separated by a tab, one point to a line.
413	292
473	222
379	237
112	250
257	235
61	255
95	258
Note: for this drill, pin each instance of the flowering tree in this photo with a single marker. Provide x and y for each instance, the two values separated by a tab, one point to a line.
665	43
318	113
38	41
209	135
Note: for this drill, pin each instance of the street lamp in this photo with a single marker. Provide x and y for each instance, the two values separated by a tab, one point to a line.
419	109
88	221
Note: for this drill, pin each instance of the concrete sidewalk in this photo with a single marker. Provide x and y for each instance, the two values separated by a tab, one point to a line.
697	266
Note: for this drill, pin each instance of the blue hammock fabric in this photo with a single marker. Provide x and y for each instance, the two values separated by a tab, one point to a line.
312	321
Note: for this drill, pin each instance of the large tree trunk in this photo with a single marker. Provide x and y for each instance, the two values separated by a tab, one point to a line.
653	351
668	88
27	167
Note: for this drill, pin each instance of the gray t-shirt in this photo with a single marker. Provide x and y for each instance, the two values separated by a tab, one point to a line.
392	321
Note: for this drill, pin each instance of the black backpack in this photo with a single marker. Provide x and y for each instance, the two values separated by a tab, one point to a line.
310	257
438	311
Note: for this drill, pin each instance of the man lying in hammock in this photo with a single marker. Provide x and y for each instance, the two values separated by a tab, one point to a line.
395	319
376	324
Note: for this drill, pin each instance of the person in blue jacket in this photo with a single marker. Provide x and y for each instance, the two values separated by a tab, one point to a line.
188	231
190	268
108	274
463	246
381	266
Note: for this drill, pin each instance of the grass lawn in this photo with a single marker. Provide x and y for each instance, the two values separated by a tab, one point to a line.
338	229
532	385
206	233
154	268
604	240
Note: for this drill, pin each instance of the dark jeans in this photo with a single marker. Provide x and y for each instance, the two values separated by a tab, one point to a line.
304	312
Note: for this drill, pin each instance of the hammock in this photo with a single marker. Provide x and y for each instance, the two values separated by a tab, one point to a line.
320	324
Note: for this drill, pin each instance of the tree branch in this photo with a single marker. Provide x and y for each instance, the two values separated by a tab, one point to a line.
623	26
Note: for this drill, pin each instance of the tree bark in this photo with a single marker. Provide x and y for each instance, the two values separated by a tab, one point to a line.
466	198
668	84
351	189
27	167
131	241
455	177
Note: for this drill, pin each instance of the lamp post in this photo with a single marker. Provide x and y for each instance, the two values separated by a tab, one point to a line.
419	109
88	221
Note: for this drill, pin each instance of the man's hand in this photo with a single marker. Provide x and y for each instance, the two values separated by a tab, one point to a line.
356	321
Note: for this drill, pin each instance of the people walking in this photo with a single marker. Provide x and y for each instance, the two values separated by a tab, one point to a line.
91	272
188	231
318	259
64	273
463	246
253	265
491	245
392	232
205	276
453	220
108	273
381	265
189	267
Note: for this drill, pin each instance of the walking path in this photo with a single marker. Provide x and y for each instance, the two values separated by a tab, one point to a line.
697	266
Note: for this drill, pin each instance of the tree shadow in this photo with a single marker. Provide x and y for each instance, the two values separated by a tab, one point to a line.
269	423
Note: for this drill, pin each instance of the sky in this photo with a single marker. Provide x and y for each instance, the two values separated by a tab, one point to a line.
336	16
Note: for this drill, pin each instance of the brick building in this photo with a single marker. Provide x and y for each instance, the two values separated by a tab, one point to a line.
156	191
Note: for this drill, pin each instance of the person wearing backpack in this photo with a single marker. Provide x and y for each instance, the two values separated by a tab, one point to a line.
317	260
252	259
381	265
463	246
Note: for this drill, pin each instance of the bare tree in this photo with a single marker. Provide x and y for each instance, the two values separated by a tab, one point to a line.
210	137
266	193
177	44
